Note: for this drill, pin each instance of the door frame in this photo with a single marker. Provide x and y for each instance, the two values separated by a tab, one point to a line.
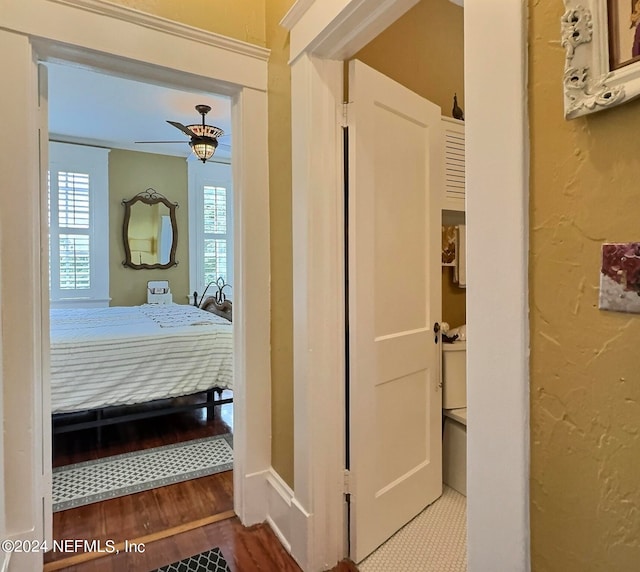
127	43
323	34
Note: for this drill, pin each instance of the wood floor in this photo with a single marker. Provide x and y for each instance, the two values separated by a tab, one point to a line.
172	522
150	512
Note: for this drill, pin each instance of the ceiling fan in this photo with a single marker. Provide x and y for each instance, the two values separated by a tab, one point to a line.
203	138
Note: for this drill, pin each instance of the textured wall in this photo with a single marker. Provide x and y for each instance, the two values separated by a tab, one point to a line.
585	395
131	172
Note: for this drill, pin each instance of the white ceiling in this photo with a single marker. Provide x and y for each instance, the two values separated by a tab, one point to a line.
109	111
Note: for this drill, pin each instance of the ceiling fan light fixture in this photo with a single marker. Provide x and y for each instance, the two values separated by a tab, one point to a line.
203	149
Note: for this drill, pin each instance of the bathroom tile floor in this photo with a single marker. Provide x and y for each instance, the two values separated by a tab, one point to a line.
434	541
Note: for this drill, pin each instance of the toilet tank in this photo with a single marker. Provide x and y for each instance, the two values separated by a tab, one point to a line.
454	375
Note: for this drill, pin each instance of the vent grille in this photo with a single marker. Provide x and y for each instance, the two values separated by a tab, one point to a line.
454	163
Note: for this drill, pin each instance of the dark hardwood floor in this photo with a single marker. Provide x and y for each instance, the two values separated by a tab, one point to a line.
149	513
253	549
172	522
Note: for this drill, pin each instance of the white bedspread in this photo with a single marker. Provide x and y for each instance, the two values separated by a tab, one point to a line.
127	355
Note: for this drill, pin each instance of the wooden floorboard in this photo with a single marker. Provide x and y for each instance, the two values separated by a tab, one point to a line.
253	549
148	512
172	522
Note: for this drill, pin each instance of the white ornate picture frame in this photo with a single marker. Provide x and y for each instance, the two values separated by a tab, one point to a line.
590	83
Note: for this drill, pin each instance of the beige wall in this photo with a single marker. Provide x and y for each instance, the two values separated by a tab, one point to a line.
585	395
131	172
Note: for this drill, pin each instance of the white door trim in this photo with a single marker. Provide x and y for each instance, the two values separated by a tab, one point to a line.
497	207
42	29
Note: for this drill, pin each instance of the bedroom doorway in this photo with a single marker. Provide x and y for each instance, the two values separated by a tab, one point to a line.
120	40
134	449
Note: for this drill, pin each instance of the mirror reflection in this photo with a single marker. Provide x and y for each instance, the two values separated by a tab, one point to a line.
150	231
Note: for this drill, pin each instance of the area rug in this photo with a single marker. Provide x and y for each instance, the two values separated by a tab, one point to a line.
210	561
110	477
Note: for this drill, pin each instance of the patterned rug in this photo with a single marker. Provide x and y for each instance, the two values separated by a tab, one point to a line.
119	475
210	561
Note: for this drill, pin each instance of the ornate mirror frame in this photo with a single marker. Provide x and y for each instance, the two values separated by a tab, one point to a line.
593	80
149	197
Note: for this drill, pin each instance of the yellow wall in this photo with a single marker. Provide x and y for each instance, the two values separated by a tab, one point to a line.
281	241
131	172
424	51
454	300
240	19
585	395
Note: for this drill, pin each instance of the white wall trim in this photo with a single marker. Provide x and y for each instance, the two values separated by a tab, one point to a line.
318	304
63	31
494	542
496	133
339	28
279	499
295	13
153	22
44	29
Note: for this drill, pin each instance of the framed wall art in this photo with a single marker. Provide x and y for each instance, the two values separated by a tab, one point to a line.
602	43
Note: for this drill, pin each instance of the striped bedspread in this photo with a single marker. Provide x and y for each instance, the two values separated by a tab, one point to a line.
127	355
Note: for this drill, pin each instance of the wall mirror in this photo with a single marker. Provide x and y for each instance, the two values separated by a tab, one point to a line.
150	231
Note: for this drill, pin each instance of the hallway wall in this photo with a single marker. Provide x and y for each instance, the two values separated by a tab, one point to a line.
585	396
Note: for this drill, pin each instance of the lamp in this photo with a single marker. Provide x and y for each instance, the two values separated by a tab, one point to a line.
203	147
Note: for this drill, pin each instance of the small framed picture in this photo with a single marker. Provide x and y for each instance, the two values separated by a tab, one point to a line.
620	277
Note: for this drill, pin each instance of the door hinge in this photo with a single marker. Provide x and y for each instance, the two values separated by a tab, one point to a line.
345	118
347	482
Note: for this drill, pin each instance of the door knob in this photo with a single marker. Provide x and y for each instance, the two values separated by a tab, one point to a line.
436	329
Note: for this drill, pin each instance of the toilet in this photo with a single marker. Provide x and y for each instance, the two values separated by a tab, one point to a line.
454	410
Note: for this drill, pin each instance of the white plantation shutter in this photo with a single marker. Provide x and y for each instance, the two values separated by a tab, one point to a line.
74	227
210	226
78	225
215	233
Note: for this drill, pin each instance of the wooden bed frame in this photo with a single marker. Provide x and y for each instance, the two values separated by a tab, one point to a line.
63	422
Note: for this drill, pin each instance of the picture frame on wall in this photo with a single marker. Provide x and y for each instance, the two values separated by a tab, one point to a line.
602	61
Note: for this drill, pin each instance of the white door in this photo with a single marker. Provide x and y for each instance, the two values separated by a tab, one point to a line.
394	293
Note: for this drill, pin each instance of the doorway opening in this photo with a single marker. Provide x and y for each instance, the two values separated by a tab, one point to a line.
138	343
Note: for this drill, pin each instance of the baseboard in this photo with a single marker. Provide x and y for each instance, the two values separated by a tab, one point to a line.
254	509
288	519
279	497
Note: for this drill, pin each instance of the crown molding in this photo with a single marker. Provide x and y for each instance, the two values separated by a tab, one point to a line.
105	8
292	17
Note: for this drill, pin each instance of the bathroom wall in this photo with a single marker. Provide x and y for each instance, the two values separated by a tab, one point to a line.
585	395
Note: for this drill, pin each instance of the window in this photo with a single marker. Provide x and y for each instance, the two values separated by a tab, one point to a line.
78	225
210	225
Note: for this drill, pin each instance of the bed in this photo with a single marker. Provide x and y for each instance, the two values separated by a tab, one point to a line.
107	357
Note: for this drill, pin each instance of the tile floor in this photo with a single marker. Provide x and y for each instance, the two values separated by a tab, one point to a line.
434	541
